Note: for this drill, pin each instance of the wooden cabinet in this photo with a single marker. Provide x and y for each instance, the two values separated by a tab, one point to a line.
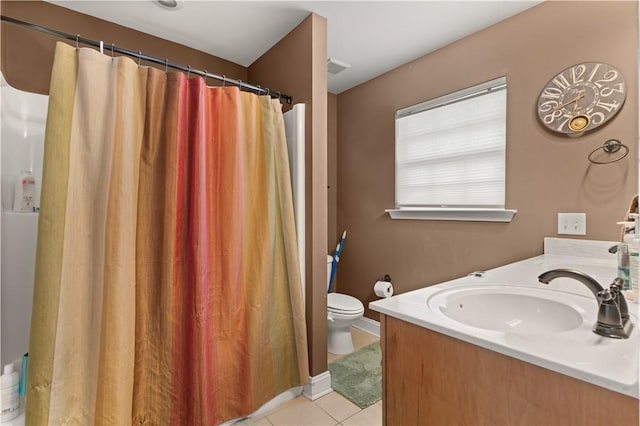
432	379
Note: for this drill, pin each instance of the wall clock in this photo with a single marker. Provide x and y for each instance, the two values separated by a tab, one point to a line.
582	98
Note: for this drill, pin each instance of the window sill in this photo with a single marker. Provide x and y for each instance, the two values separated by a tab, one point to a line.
472	215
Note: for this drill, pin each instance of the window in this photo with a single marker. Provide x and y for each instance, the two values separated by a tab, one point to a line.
450	156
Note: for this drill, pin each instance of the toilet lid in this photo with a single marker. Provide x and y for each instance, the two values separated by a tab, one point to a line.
343	303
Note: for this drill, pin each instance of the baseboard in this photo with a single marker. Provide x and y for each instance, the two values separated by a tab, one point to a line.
368	325
318	386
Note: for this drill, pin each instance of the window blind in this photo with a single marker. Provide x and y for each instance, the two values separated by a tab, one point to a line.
450	151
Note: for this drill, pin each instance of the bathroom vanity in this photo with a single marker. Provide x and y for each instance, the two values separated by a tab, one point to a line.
500	348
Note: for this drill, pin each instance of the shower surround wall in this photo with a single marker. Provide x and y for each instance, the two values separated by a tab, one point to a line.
295	65
22	122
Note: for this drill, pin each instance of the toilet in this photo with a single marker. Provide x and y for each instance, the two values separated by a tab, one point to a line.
342	311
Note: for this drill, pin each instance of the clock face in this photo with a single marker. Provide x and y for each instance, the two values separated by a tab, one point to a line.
582	98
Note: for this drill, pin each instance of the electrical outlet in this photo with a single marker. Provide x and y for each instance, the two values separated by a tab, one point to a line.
572	223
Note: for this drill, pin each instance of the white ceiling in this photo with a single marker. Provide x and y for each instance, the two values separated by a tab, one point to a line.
373	37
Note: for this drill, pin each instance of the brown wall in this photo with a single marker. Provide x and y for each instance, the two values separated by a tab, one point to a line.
546	173
298	62
27	55
333	234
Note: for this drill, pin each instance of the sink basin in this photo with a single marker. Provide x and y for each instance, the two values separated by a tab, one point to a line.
510	309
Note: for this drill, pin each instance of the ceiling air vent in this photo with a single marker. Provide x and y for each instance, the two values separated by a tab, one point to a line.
334	66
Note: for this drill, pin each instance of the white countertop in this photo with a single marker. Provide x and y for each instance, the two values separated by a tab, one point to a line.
579	353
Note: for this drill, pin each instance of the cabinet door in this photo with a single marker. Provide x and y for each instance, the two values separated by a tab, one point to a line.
433	379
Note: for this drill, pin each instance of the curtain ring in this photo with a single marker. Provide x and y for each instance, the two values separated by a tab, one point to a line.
205	77
610	147
77	38
268	91
139	57
224	80
239	84
166	65
188	71
112	46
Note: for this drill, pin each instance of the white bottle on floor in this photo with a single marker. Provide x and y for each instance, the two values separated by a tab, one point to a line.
9	397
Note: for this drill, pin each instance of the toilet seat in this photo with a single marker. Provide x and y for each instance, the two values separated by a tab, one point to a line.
344	304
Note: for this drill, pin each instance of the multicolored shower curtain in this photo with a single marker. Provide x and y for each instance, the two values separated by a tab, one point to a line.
167	283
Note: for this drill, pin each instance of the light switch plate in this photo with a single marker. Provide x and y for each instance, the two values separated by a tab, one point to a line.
572	223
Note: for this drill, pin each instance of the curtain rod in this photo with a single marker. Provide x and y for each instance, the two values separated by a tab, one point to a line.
141	56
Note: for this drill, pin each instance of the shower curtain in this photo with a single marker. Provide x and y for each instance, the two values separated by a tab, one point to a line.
167	286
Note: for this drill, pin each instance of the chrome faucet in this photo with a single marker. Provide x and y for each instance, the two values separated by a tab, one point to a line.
613	313
585	279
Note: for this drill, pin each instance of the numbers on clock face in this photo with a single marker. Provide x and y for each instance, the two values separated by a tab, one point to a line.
593	91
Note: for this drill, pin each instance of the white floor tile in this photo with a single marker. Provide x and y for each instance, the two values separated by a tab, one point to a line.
261	421
337	406
300	412
370	416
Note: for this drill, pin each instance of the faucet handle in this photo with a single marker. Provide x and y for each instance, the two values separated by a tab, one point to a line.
616	287
617	284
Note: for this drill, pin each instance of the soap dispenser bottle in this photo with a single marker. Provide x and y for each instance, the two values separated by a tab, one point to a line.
24	198
633	241
624	272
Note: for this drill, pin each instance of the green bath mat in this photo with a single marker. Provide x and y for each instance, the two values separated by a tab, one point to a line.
358	376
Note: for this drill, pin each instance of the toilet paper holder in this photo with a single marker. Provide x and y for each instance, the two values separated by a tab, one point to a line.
383	288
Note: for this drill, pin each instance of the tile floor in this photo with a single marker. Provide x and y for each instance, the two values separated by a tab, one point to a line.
329	410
